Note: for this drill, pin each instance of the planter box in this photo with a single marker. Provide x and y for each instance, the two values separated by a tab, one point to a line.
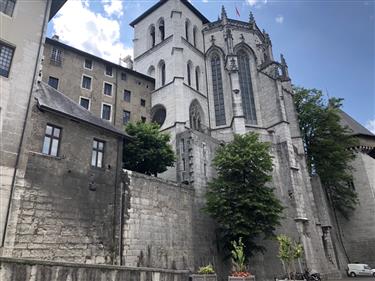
248	278
202	277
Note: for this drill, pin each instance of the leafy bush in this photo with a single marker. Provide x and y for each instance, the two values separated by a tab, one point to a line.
208	269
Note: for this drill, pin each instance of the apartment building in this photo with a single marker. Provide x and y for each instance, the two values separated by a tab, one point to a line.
110	91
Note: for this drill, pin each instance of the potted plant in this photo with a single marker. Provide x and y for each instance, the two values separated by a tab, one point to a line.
289	251
240	271
204	273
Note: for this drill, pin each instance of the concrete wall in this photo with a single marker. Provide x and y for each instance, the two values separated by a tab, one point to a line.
64	209
24	31
34	270
70	74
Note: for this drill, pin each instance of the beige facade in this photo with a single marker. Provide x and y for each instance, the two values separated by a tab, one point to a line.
22	26
86	78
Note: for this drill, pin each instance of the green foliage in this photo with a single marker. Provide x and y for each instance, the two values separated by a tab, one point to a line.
150	152
326	145
208	269
289	251
238	256
238	199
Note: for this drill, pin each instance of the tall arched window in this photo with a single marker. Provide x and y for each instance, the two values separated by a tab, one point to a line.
188	70
195	36
161	29
217	89
246	87
197	77
187	29
196	116
152	35
162	73
151	71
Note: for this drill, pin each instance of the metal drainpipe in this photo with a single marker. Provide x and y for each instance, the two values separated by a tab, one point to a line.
48	5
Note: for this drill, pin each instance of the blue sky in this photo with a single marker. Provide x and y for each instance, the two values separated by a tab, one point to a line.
328	45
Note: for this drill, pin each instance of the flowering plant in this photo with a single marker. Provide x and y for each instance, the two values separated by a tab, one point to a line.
239	259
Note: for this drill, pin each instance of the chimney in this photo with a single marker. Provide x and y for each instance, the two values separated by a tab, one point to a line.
56	37
128	62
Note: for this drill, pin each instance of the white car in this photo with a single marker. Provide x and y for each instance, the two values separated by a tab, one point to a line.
359	269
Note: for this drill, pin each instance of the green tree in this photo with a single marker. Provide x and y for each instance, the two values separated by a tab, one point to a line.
327	145
150	152
238	199
289	251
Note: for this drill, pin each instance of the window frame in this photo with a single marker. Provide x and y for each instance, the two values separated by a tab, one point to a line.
143	102
97	150
105	70
52	137
80	98
109	83
130	96
58	82
84	64
124	74
123	117
53	57
13	48
101	111
14	7
90	82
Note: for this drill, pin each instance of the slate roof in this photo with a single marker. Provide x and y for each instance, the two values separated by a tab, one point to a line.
161	3
55	7
49	99
357	128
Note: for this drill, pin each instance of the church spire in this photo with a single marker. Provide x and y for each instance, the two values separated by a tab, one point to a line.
251	20
284	67
224	17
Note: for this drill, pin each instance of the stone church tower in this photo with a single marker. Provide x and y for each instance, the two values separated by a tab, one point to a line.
217	79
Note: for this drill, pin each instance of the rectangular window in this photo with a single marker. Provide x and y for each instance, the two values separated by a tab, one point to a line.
106	111
84	102
127	95
143	119
126	117
7	6
51	141
86	82
56	56
53	81
97	153
123	76
108	70
107	89
6	56
88	64
143	102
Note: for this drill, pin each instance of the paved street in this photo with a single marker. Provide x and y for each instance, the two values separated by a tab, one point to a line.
357	279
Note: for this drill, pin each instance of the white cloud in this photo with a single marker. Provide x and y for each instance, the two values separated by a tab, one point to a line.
204	1
256	3
371	125
92	32
251	2
113	7
279	19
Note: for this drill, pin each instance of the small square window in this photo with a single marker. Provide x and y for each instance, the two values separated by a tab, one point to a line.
6	56
123	76
86	82
97	153
127	95
107	90
108	70
51	140
7	6
106	112
88	64
143	102
84	102
126	117
53	82
143	119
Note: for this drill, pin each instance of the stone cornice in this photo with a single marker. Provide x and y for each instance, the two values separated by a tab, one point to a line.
156	47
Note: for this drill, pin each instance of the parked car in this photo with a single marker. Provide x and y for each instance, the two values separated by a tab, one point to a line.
359	269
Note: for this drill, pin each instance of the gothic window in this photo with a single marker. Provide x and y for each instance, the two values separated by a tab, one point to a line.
161	29
187	29
151	71
162	72
158	114
195	36
196	116
217	89
246	87
197	77
188	69
152	36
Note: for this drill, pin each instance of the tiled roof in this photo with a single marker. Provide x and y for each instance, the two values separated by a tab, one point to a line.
354	126
51	100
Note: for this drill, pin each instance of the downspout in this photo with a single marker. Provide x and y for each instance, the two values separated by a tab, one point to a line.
37	63
115	207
